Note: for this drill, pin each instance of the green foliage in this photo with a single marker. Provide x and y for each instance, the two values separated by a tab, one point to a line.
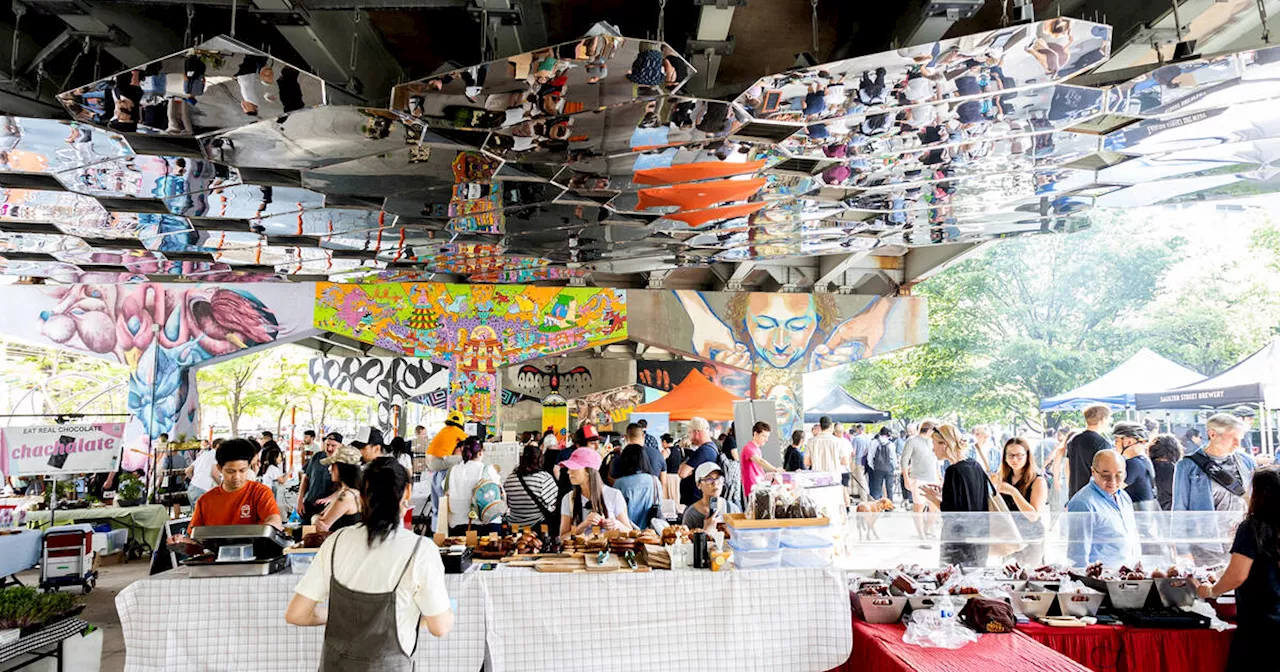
1029	318
23	606
267	385
130	488
47	380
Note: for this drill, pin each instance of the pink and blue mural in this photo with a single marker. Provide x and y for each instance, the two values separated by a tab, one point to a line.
162	332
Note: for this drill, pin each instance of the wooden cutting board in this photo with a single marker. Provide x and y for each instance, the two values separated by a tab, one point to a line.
611	564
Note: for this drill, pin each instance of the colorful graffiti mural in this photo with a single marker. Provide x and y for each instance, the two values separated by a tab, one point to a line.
477	394
778	336
608	409
161	331
475	329
666	374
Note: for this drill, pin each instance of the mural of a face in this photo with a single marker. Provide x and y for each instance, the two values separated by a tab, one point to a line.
780	326
788	405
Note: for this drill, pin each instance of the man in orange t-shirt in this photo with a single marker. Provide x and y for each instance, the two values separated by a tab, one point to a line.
240	500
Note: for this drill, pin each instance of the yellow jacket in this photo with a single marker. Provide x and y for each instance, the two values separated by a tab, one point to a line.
446	441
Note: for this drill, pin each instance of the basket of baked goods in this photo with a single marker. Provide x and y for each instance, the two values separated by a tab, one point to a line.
875	603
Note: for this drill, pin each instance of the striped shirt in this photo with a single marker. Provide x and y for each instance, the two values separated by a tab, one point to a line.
521	508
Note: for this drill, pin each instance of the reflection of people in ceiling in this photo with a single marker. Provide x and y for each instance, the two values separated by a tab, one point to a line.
254	78
1050	46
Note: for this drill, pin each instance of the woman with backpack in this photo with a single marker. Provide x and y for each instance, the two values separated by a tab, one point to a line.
881	465
531	493
460	486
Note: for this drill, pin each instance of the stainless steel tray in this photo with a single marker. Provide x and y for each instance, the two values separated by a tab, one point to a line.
241	533
209	569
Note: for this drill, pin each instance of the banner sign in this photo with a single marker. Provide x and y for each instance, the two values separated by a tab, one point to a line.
42	450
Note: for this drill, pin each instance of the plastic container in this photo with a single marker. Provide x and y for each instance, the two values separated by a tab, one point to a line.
760	539
817	556
1225	608
807	537
1129	594
1179	592
1079	604
1032	603
758	559
299	563
878	610
116	539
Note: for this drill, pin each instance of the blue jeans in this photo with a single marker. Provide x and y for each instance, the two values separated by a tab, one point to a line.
193	493
880	483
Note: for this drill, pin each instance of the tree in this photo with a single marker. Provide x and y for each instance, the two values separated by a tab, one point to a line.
231	385
53	381
1021	320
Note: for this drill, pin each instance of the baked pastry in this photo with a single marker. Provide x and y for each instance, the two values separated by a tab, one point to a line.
905	584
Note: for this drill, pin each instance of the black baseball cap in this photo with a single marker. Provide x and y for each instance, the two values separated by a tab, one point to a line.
367	436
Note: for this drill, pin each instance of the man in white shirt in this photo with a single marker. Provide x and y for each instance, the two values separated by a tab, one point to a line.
829	453
920	468
847	455
203	475
420	439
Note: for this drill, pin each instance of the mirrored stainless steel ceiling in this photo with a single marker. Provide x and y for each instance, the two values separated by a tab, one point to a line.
586	156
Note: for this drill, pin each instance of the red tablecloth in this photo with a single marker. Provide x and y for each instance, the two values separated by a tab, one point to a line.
1118	648
879	648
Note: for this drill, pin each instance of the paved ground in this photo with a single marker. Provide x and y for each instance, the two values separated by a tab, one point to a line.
100	607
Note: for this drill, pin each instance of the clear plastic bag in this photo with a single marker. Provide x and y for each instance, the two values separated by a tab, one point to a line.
761	505
938	628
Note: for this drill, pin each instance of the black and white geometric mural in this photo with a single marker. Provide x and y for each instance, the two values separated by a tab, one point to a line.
393	381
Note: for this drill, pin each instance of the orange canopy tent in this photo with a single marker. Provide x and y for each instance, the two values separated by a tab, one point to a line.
696	397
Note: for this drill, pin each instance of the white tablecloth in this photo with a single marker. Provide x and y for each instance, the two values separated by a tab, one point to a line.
787	619
19	551
173	622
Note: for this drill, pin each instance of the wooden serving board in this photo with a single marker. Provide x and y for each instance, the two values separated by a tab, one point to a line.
611	564
530	557
559	569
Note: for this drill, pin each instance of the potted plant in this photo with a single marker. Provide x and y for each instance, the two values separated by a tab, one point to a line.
25	608
130	491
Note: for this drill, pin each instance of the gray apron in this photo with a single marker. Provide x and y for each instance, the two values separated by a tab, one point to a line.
366	639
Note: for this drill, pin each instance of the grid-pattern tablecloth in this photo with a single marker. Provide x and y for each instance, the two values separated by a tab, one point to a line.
53	634
19	551
173	622
787	619
145	523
